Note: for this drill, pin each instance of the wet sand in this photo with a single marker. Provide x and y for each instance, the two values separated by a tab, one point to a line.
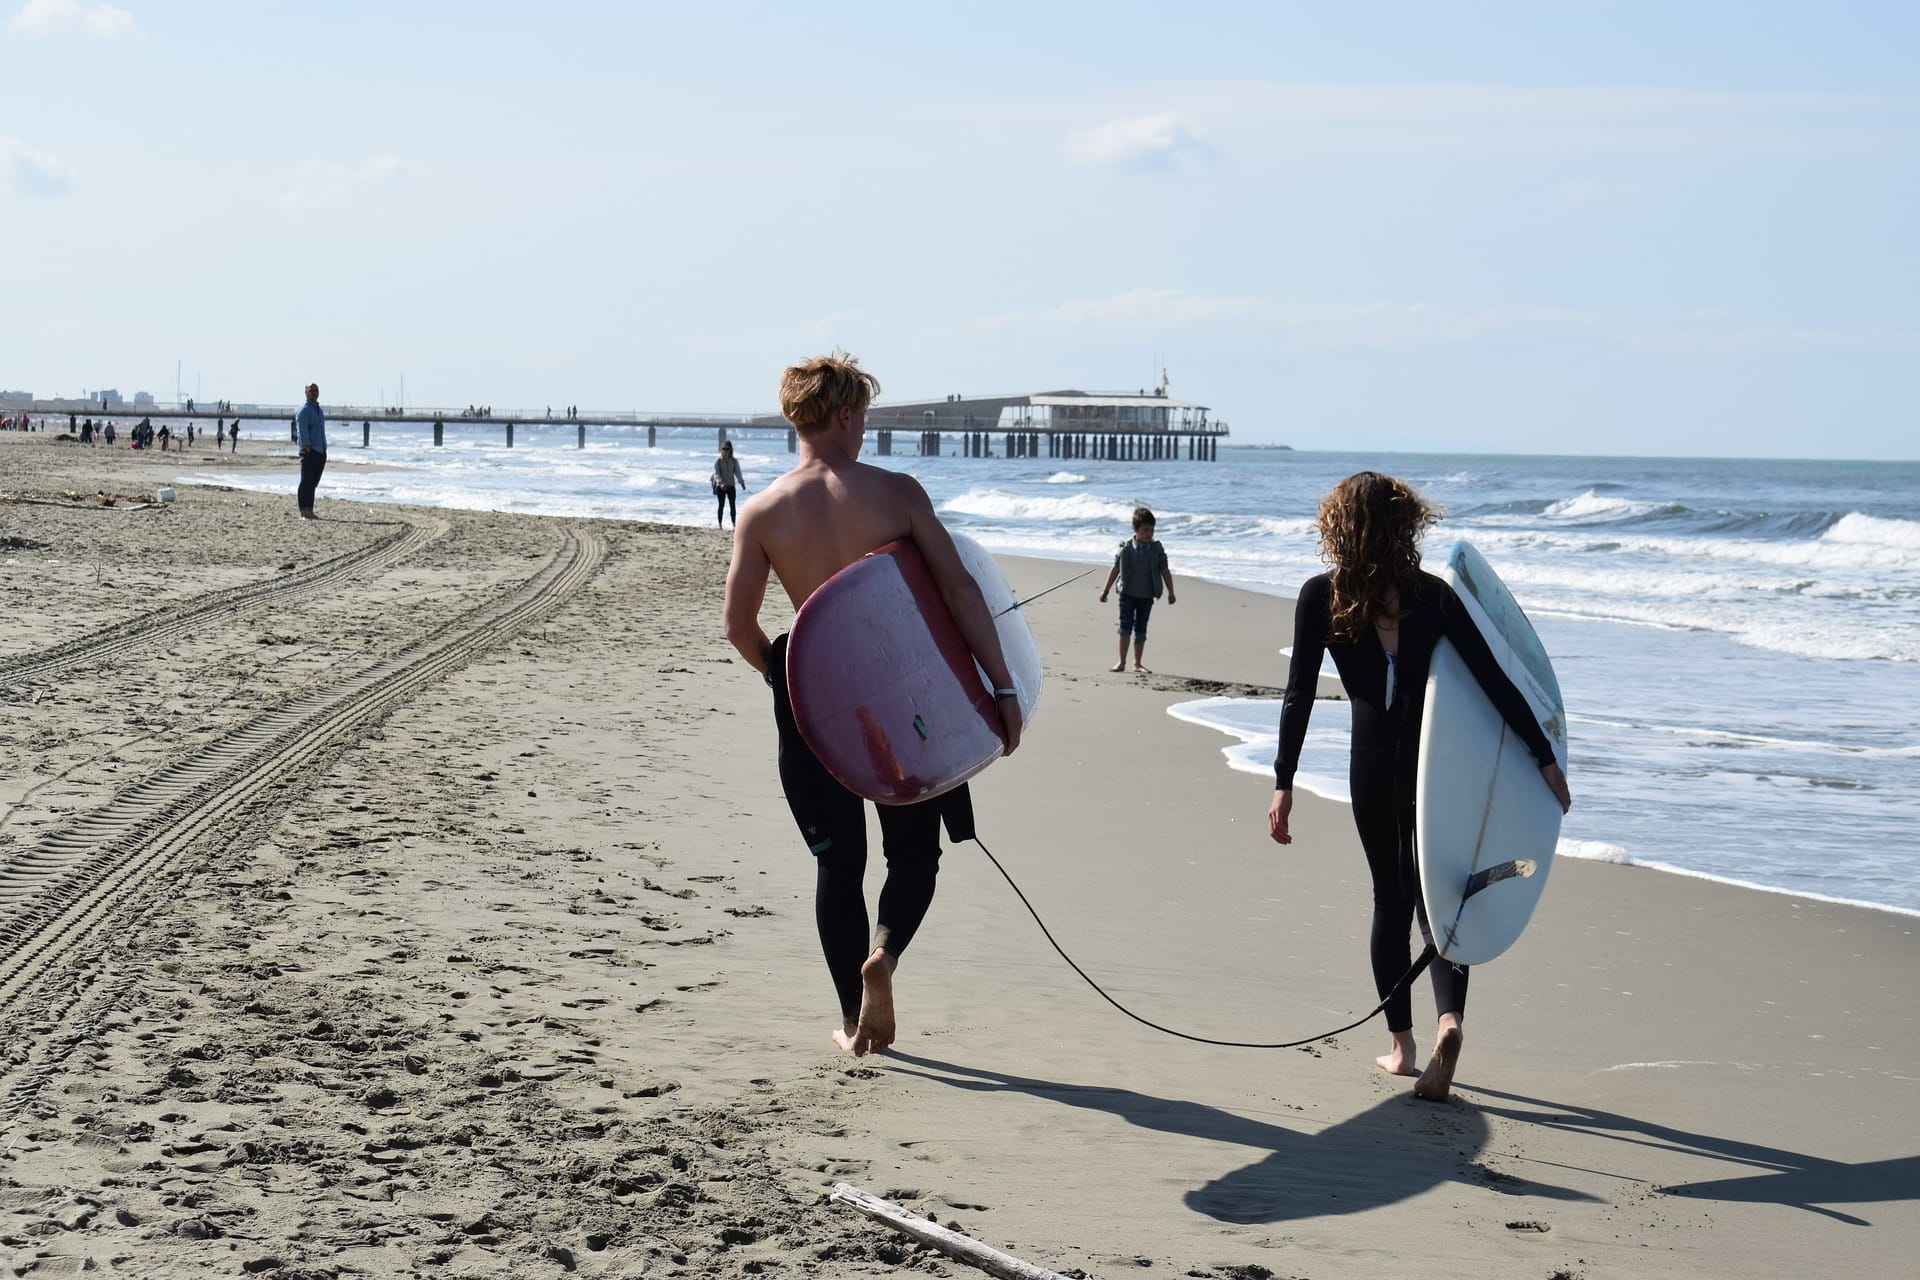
472	938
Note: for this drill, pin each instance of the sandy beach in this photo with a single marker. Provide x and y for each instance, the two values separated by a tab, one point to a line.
411	892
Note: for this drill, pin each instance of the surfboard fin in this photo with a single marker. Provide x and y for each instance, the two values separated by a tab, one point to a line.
1514	869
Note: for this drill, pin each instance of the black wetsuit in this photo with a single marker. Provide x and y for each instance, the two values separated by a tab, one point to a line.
833	821
1386	744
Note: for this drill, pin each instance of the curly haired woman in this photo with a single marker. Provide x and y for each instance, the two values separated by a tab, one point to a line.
1381	617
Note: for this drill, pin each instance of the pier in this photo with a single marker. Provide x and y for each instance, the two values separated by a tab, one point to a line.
1108	426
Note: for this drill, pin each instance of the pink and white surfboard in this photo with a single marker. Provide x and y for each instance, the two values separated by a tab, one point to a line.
885	690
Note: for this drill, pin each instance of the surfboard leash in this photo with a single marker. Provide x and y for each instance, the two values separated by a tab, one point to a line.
1036	595
1426	958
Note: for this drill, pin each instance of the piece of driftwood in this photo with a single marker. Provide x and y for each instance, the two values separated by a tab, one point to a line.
83	505
951	1243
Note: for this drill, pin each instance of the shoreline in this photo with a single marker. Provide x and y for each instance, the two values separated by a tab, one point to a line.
1240	679
519	973
1245	674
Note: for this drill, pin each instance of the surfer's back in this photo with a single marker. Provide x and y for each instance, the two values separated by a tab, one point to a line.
825	514
830	510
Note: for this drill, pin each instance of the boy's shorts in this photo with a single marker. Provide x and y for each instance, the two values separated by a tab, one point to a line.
1133	615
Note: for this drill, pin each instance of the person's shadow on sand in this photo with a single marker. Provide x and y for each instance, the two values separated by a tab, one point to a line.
1388	1153
1782	1177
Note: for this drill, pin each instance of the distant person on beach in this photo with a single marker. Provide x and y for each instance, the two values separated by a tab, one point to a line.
166	435
827	512
310	432
234	437
726	477
1140	566
1381	617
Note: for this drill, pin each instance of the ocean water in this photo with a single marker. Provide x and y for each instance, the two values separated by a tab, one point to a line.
1738	641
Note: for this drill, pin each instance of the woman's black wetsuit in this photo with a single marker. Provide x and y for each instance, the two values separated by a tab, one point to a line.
1386	744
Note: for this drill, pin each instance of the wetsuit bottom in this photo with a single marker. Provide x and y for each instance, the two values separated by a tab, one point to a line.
1383	816
833	821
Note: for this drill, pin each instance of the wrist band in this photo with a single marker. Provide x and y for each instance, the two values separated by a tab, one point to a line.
1006	693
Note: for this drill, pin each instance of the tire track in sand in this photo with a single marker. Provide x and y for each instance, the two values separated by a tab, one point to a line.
61	900
178	619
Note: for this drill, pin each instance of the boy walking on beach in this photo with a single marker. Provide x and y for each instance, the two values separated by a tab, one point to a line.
1141	567
827	512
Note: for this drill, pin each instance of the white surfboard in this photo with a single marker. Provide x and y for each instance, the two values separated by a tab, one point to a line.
1486	822
1017	644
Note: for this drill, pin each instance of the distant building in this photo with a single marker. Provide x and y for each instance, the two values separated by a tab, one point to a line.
16	399
1092	412
143	399
107	397
1139	425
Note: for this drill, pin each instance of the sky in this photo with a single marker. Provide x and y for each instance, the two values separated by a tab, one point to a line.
1614	228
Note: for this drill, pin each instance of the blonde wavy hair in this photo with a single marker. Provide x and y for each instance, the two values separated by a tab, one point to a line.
812	390
1370	526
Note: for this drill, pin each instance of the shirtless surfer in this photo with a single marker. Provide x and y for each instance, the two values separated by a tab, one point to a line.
827	512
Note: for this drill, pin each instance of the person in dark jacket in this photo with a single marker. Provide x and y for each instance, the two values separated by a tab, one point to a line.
310	432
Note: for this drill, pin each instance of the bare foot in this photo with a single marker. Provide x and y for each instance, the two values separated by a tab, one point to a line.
1118	666
1140	670
1398	1061
1435	1082
875	1029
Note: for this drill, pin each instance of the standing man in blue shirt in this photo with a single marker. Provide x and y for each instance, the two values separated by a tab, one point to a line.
310	430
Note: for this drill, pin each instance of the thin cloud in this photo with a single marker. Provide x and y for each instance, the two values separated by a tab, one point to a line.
1189	120
1133	311
317	186
830	325
1137	142
71	18
1782	341
1139	312
1590	191
1145	313
33	173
